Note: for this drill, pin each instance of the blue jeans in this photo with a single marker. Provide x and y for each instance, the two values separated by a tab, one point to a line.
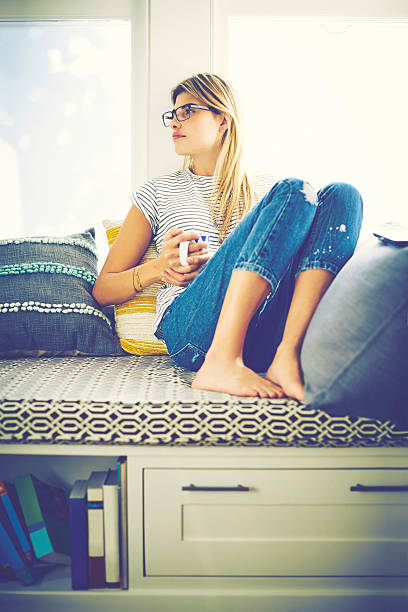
290	230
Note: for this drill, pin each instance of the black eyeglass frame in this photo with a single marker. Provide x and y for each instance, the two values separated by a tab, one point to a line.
189	106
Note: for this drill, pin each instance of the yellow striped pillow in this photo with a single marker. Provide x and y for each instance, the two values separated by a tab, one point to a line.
134	318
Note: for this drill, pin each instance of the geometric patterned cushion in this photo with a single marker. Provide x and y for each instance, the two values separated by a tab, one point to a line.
46	304
134	318
123	400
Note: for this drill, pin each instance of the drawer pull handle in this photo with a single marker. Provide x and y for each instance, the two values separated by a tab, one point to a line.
367	488
193	487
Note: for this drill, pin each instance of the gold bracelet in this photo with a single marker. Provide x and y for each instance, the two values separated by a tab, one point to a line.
137	286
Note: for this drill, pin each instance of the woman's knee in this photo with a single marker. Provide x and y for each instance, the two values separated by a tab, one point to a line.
306	189
345	208
345	192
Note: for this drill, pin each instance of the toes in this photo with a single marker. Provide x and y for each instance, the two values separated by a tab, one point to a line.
272	392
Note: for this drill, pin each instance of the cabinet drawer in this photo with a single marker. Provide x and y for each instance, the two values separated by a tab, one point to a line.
275	522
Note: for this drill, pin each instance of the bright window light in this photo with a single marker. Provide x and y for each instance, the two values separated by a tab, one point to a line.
64	126
327	102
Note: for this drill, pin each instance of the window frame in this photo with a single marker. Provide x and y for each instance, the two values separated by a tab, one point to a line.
333	11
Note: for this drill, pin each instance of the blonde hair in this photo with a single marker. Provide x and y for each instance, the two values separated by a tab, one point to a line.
232	194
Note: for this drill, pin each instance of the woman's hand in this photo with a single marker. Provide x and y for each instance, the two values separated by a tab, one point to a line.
172	271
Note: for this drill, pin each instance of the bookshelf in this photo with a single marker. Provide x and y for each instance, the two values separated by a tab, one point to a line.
196	550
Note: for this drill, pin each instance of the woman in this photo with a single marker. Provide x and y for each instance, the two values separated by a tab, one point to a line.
243	303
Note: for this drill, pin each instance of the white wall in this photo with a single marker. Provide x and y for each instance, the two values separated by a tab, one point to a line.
180	45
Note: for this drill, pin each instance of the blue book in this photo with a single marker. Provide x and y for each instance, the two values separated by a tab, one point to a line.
45	510
9	552
6	573
78	529
11	505
5	521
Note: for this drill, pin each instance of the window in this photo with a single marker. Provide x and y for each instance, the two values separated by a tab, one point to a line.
325	99
64	125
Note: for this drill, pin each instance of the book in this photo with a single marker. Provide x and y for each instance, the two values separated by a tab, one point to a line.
11	505
96	549
123	523
5	521
78	531
111	529
45	511
6	573
12	558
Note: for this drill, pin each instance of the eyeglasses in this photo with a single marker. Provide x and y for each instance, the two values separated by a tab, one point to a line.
182	113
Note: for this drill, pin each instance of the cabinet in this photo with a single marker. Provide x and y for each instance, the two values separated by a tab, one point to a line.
275	522
243	529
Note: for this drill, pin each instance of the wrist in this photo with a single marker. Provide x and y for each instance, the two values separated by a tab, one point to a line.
149	273
137	283
159	267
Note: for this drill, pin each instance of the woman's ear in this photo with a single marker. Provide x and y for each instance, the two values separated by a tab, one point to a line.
224	124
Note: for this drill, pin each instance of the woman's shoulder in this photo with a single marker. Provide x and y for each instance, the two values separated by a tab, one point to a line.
170	179
163	183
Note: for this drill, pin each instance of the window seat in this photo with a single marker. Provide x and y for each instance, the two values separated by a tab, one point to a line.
149	401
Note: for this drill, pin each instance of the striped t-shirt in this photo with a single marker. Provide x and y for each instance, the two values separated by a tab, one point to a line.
180	200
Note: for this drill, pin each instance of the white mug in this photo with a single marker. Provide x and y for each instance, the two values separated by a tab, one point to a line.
183	247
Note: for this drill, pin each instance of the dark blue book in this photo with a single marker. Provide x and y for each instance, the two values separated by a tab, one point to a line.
11	505
13	558
6	573
78	530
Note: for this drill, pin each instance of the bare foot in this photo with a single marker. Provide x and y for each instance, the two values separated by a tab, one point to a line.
285	371
231	376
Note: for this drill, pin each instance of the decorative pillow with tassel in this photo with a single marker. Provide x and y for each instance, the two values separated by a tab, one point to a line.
134	318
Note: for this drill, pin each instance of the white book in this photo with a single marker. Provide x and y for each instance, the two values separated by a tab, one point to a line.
111	529
96	546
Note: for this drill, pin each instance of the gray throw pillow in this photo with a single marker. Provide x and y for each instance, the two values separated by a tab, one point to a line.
355	353
46	303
